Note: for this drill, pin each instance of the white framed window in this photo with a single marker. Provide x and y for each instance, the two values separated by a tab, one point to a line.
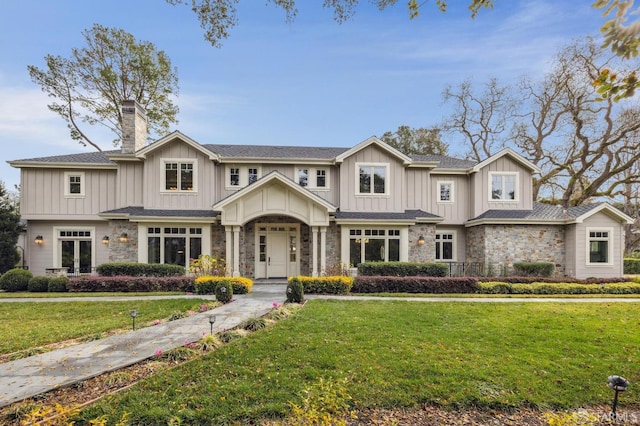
445	191
179	175
374	245
241	176
503	186
74	184
599	246
372	179
176	245
446	245
312	177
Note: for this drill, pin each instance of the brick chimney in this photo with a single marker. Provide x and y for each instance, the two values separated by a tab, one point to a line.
134	127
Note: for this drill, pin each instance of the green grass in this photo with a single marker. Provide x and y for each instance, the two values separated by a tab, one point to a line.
30	324
501	296
394	353
26	294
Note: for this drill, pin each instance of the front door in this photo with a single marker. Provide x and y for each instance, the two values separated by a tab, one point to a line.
276	250
75	255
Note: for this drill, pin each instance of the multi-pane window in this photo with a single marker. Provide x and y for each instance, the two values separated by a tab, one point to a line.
321	178
599	246
178	176
74	184
241	176
234	176
173	245
303	177
374	245
253	175
445	246
372	179
445	192
503	186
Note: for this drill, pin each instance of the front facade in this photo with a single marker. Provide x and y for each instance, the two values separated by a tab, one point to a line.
274	212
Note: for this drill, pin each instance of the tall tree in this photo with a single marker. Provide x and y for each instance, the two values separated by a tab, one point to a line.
9	231
416	141
90	86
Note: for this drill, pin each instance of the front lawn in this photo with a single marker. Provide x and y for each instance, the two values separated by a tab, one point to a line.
28	325
401	354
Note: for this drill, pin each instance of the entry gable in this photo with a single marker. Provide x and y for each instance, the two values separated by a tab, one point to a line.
374	141
274	194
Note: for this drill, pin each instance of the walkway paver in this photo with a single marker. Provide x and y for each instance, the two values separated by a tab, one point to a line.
34	375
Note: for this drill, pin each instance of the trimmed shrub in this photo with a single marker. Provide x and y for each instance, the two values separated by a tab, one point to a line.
207	284
326	285
559	288
15	280
494	287
403	269
58	284
364	284
224	291
132	269
550	280
295	290
129	284
631	266
534	269
38	284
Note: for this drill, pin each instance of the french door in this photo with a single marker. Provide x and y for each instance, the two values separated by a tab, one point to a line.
75	251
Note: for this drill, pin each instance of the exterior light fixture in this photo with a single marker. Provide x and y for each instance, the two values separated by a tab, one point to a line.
421	240
124	237
618	384
212	319
39	240
105	240
134	314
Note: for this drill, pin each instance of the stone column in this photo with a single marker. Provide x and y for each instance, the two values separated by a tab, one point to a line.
314	251
323	249
236	251
229	249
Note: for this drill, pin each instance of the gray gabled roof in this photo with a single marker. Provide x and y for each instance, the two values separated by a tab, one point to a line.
406	215
445	162
83	158
540	212
141	211
268	151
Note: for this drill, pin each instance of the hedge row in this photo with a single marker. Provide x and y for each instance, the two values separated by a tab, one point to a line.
558	288
549	280
130	284
631	266
132	269
208	284
324	285
534	269
364	284
403	269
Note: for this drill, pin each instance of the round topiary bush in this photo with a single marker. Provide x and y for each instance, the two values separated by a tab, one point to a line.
224	292
39	284
295	291
58	284
15	280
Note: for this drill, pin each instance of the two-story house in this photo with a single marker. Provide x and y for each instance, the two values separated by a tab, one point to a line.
278	211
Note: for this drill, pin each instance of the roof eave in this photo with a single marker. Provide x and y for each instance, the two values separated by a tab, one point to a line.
60	165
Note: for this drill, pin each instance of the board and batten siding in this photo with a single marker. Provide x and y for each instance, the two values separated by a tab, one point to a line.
393	201
130	184
482	187
455	212
43	193
154	195
599	221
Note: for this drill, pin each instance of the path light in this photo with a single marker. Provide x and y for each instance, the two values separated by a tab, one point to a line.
618	384
134	314
212	319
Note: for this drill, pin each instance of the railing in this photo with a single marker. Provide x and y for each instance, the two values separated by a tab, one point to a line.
466	269
70	272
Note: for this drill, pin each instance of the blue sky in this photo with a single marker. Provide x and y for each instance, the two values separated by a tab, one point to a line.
310	82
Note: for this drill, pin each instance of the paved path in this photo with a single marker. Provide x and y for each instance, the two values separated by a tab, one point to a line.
31	376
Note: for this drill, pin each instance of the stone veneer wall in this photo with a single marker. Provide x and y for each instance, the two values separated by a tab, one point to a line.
503	245
427	251
219	244
333	244
120	251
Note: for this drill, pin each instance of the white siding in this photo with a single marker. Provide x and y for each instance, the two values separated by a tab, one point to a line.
130	184
601	221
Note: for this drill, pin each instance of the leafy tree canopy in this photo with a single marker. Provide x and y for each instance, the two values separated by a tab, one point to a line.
9	231
90	86
420	141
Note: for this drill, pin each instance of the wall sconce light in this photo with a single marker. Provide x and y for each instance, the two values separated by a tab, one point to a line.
105	240
39	240
124	237
421	241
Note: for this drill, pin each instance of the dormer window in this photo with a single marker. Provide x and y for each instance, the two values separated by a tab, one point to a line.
372	179
503	186
179	175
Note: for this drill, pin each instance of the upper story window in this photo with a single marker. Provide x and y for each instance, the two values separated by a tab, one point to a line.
74	184
179	175
600	245
445	191
503	186
241	176
312	178
372	179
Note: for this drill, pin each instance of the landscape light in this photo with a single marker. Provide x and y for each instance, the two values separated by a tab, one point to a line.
618	384
212	319
134	314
